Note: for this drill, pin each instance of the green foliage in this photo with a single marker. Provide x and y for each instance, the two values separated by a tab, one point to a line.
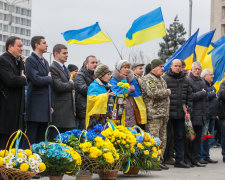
173	40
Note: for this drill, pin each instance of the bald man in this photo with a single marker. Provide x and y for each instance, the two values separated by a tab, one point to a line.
180	95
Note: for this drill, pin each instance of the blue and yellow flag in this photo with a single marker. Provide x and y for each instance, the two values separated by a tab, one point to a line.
147	27
203	43
89	35
186	52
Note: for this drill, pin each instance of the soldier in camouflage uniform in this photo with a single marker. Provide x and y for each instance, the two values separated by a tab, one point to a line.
156	98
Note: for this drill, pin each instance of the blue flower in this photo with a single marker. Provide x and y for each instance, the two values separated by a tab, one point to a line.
133	131
91	136
140	139
77	133
158	141
98	128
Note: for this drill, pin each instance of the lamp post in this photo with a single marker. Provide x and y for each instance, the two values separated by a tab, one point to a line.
11	4
190	17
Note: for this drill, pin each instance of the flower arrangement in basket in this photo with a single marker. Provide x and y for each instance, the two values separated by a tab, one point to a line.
147	151
59	158
21	164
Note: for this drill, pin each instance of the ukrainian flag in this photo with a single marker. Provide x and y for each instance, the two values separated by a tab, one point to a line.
147	27
186	52
202	45
89	35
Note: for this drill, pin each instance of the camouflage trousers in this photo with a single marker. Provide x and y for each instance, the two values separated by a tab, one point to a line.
157	128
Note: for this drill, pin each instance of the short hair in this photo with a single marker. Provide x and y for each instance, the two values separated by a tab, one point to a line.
87	58
125	64
58	47
196	63
10	41
205	72
147	69
36	40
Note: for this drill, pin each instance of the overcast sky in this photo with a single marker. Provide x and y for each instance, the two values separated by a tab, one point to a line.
52	17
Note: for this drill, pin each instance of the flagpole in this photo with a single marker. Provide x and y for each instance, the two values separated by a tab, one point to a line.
113	43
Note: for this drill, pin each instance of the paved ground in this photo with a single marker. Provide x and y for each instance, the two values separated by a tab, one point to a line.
210	172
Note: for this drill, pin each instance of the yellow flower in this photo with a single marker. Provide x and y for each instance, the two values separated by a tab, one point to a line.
1	161
32	156
146	137
28	152
154	155
42	166
20	155
24	167
147	144
158	159
108	157
160	151
154	149
146	152
3	152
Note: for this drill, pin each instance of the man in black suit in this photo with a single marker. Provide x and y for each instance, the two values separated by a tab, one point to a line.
39	100
12	82
63	91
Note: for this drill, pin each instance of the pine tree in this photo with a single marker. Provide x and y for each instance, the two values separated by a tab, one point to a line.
173	40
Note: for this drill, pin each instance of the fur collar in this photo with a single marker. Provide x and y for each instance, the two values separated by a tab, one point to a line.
120	77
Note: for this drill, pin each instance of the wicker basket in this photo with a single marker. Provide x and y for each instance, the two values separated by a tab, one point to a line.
108	174
60	177
84	177
132	172
13	173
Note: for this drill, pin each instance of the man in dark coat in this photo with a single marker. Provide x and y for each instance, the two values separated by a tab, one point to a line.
12	82
82	81
180	95
39	101
63	86
222	116
199	111
209	126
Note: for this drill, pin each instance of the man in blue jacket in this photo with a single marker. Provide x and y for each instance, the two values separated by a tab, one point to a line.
39	100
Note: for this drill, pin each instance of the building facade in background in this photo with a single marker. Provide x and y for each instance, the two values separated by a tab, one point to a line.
15	20
218	18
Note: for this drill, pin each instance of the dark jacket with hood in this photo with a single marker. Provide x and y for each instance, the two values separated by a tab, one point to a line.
82	81
180	93
221	100
200	102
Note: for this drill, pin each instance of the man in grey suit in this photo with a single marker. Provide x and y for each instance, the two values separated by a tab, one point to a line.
63	91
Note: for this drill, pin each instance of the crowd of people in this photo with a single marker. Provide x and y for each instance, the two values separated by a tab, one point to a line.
34	95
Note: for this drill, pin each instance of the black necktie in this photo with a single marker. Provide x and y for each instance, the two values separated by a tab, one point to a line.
65	70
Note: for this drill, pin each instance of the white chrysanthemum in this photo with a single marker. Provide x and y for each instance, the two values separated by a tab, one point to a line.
31	160
21	150
33	166
39	160
37	170
24	156
8	165
37	155
20	160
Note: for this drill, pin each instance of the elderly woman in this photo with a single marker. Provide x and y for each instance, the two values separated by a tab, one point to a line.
97	97
135	110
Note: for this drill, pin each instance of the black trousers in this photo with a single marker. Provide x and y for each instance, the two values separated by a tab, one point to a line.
35	132
177	126
192	148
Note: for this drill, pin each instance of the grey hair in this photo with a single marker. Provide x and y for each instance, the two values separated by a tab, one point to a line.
205	72
196	63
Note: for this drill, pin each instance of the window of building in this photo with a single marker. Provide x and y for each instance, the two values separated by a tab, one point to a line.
0	37
5	17
1	5
27	52
6	7
1	16
27	32
17	30
28	22
223	12
0	26
18	19
23	11
5	37
5	28
23	21
29	13
22	31
12	29
18	10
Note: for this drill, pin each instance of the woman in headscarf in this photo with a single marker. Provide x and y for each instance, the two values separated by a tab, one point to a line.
135	110
97	97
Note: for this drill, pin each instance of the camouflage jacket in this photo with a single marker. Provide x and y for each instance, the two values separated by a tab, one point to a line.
155	96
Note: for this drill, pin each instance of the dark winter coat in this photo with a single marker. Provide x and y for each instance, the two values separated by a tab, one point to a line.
180	94
200	102
82	81
221	100
212	100
11	94
64	110
39	96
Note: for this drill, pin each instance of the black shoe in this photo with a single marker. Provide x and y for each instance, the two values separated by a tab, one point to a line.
202	161
163	167
36	177
198	164
224	159
190	164
209	160
181	164
170	161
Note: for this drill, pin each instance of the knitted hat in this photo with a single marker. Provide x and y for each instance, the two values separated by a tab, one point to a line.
134	65
119	64
72	67
155	63
101	70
